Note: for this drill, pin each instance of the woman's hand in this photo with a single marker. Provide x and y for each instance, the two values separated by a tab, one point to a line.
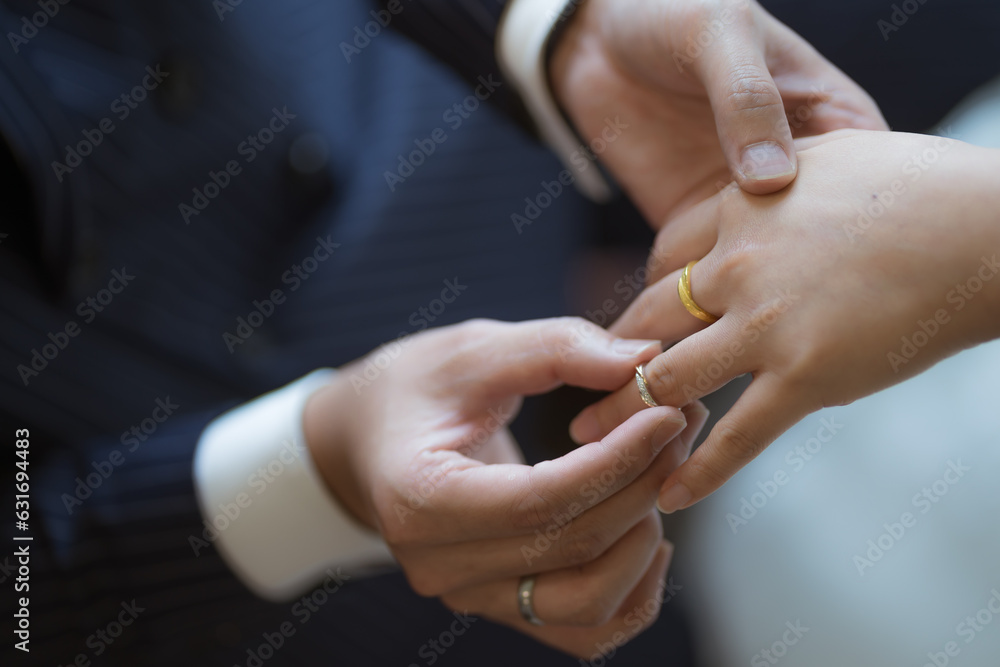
880	260
422	453
703	92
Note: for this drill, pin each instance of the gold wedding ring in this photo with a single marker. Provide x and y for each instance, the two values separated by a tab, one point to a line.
684	290
640	379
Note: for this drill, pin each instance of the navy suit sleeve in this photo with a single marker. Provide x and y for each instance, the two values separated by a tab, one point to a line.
462	34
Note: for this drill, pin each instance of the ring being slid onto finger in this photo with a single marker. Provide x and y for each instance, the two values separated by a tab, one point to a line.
640	379
684	291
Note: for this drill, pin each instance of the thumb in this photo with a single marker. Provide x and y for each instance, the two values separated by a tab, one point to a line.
749	113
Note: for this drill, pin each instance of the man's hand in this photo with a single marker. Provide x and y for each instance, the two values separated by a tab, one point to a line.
711	91
422	453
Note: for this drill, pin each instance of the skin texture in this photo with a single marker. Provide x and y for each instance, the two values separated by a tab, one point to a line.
883	238
422	454
697	82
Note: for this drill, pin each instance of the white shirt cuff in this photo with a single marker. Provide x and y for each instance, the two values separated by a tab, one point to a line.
522	45
265	505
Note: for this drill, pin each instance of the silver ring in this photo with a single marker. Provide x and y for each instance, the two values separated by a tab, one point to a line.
525	600
640	379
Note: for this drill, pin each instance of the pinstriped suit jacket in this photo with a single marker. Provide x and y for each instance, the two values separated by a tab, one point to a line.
168	168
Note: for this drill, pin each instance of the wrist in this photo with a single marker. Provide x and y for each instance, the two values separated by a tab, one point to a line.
990	206
574	47
326	425
530	31
977	215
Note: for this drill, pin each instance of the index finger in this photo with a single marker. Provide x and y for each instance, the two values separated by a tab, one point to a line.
765	410
505	500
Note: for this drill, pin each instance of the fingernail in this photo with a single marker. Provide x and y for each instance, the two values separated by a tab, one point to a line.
667	430
674	498
765	161
585	428
633	348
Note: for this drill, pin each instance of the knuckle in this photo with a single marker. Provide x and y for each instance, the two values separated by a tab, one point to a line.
582	546
734	266
737	446
530	512
573	322
662	384
455	344
644	310
751	90
477	326
536	505
704	474
570	334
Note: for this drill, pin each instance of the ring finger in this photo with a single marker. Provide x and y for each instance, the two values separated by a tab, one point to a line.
587	595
